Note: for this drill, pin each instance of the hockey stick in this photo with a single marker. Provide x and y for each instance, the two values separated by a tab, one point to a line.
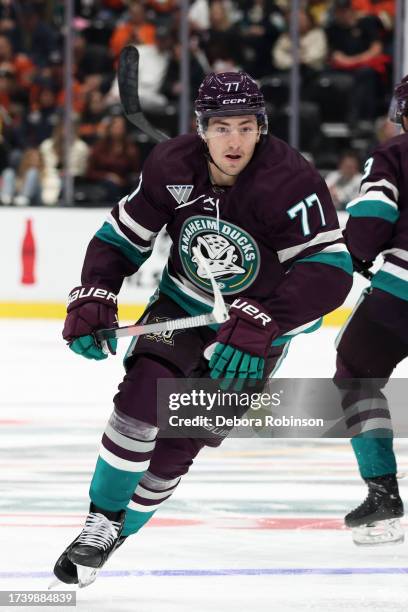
219	314
128	79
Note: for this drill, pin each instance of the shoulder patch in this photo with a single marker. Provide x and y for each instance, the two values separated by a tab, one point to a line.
180	193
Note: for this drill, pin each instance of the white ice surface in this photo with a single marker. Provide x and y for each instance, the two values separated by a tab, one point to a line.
260	519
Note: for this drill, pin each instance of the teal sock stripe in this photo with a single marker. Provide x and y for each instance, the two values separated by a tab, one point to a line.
111	488
375	456
135	520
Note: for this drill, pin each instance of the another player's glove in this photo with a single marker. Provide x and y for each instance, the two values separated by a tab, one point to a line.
90	308
242	344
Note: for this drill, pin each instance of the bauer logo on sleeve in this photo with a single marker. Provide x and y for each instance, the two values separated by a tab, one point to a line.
231	253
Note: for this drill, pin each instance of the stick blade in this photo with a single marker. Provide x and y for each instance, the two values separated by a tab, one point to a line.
128	81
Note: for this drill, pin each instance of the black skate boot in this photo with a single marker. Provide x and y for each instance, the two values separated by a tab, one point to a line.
82	559
376	520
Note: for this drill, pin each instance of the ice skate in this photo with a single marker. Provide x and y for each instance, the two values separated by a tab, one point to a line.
83	558
376	520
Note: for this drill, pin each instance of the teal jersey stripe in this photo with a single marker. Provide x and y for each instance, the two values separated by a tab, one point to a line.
108	234
192	306
341	260
390	283
374	208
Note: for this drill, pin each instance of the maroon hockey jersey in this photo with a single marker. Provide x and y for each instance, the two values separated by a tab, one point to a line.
273	236
378	221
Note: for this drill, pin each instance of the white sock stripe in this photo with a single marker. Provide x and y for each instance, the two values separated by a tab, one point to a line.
140	508
133	445
122	464
157	483
369	425
142	492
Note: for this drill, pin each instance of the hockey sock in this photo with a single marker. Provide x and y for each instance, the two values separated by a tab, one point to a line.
126	448
375	456
150	493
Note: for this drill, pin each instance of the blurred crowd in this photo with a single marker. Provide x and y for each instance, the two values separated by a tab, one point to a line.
346	57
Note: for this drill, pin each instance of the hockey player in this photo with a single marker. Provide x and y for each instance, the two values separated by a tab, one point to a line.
375	338
263	219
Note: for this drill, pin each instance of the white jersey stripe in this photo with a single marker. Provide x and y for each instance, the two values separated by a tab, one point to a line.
131	224
290	252
143	249
194	294
136	191
395	270
301	328
382	183
401	253
372	196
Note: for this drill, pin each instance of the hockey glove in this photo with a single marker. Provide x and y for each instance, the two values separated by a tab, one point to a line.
242	344
90	308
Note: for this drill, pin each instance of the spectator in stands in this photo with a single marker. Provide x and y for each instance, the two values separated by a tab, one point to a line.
222	42
91	126
356	46
39	40
52	159
134	29
39	123
312	47
261	24
93	64
20	64
22	187
171	86
114	160
344	183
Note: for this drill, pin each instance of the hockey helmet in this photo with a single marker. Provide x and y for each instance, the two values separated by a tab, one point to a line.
227	94
399	103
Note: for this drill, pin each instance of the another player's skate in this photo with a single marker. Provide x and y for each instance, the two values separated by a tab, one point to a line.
84	557
376	520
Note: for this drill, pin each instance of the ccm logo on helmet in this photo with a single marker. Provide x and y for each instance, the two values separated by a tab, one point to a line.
235	101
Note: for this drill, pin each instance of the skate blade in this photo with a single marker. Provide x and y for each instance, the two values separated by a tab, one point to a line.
86	575
56	583
388	531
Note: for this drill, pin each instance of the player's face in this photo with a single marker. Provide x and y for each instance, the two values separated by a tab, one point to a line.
231	142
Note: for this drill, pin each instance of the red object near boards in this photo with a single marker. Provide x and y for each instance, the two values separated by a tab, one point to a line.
28	255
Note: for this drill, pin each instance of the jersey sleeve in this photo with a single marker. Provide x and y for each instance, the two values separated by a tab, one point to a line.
311	248
374	212
126	239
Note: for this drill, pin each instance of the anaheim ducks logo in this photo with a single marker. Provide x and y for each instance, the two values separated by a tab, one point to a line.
231	253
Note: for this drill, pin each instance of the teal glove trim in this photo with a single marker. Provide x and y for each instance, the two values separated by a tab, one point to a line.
85	346
230	363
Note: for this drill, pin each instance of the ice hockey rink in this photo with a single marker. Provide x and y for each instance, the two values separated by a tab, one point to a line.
255	526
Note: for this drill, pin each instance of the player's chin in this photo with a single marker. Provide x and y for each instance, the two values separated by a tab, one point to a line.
236	166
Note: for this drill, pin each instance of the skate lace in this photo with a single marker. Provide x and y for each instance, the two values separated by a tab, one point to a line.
99	531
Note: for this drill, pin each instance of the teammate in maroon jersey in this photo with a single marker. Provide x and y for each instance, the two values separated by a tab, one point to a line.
375	338
263	219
